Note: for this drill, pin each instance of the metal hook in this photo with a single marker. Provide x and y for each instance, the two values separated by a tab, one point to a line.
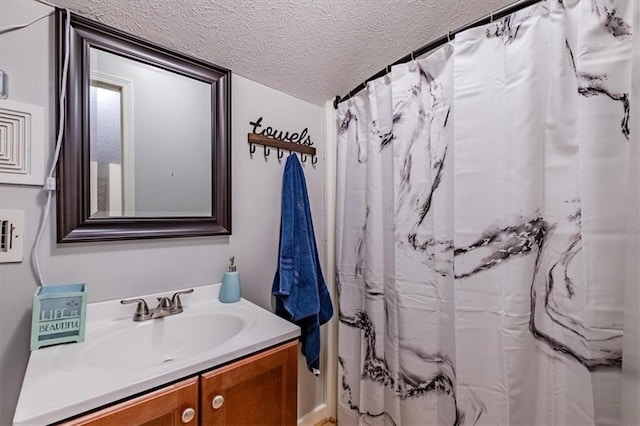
304	158
267	151
252	149
280	154
412	58
449	36
491	18
314	160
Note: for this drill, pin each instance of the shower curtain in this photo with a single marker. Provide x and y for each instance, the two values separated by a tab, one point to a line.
483	226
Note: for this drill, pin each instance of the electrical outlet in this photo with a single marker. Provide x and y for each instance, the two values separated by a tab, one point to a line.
11	236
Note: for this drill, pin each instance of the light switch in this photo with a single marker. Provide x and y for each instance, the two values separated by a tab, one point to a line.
11	238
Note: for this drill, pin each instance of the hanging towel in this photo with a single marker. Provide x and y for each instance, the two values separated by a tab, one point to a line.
298	286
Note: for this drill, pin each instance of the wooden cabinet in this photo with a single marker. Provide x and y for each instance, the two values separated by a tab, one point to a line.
173	405
258	390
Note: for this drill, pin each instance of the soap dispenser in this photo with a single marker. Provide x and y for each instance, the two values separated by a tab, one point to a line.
230	288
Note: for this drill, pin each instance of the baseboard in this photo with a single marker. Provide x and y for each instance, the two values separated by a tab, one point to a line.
314	416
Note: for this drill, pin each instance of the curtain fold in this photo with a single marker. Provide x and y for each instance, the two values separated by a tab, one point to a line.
482	226
631	343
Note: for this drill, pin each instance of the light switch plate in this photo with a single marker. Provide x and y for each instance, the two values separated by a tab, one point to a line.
11	236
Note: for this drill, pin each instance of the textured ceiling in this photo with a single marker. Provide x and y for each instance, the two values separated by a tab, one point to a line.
310	49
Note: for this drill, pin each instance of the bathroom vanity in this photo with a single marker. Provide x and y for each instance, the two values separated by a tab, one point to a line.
258	390
213	364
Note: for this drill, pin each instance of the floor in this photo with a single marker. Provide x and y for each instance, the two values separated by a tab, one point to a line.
327	422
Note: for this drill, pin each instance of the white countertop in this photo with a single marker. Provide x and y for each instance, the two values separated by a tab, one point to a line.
58	385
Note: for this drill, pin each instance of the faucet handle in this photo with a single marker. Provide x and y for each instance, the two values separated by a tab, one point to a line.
176	303
142	310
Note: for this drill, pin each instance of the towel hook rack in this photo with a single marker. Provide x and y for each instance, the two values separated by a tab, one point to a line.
281	145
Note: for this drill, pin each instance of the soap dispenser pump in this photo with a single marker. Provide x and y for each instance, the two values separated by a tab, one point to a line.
230	288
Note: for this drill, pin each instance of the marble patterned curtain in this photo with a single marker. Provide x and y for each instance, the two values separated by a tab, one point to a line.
482	226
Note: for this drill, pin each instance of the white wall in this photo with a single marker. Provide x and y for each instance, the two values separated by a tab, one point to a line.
114	270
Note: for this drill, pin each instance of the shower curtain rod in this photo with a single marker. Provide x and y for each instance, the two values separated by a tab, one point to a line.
501	13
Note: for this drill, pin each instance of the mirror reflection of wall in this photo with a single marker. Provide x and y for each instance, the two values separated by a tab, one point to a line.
106	151
150	140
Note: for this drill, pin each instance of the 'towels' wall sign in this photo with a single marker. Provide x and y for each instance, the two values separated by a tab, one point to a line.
302	138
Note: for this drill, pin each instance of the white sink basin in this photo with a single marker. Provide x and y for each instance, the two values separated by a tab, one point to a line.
127	345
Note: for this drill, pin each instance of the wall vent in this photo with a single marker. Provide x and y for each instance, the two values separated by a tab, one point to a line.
21	143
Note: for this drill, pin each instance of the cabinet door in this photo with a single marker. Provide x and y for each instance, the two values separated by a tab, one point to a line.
259	390
171	406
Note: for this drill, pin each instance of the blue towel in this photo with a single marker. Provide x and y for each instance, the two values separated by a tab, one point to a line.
299	287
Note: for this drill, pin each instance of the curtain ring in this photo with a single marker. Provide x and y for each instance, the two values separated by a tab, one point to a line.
252	148
387	77
280	154
267	151
413	64
314	158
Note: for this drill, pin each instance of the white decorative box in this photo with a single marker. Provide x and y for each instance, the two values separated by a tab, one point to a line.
59	315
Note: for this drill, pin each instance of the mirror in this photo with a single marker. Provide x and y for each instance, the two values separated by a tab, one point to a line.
137	167
146	149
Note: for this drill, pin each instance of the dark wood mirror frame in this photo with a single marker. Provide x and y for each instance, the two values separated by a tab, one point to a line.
73	199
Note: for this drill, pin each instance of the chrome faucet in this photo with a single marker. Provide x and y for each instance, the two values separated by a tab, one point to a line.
166	306
163	309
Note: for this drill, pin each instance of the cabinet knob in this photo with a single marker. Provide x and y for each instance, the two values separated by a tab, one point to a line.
217	401
188	414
